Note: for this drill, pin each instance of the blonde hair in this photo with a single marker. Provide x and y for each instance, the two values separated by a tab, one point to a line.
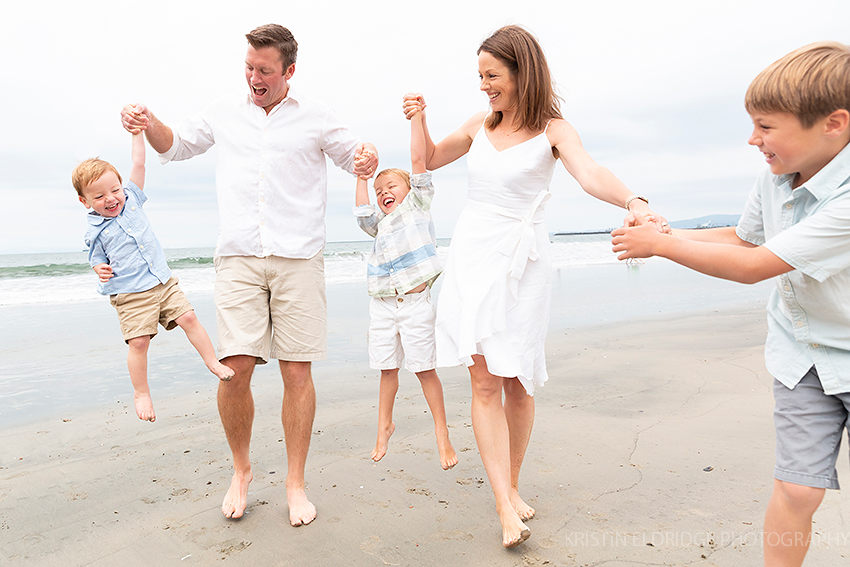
405	176
89	171
519	50
810	83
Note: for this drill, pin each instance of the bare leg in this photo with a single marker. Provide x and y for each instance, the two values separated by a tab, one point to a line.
433	390
299	409
788	523
137	364
201	341
519	412
386	401
493	438
236	408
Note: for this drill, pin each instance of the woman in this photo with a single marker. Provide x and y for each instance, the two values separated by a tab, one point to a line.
494	305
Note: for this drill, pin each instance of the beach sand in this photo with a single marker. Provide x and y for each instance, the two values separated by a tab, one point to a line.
653	444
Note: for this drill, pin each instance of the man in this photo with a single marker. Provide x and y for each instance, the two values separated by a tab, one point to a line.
271	181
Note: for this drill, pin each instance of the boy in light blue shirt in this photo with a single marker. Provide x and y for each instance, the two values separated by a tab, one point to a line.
796	229
130	263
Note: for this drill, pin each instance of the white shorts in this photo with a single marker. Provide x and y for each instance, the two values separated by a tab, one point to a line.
402	329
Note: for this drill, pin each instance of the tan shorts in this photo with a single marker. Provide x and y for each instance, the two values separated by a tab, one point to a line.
139	313
271	307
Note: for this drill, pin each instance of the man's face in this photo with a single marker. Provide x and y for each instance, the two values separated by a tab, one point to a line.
268	81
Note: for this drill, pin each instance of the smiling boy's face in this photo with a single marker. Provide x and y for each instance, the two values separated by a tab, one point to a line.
390	189
105	195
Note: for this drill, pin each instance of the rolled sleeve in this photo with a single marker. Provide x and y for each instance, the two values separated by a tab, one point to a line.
367	219
193	137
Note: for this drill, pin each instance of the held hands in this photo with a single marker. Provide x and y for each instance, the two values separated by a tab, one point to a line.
365	162
103	271
412	104
135	118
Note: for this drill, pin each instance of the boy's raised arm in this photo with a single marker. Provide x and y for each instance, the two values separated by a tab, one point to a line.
137	171
417	139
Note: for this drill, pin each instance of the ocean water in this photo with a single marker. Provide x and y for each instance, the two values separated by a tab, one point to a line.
66	276
61	351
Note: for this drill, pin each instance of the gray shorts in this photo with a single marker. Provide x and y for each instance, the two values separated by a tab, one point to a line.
809	425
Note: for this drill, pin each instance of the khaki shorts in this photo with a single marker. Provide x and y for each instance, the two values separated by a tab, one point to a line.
271	307
139	313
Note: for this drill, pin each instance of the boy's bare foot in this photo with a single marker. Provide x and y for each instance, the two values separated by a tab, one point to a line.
448	457
523	510
383	440
223	372
144	406
301	510
236	499
514	532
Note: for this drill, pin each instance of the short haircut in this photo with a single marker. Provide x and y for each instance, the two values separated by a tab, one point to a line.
89	171
402	174
810	83
520	51
274	35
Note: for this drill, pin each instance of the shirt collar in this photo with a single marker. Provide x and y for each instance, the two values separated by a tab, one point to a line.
97	220
290	94
825	181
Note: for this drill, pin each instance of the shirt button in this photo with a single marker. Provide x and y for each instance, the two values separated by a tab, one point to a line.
391	270
400	299
788	206
799	323
141	246
132	208
815	345
129	230
787	288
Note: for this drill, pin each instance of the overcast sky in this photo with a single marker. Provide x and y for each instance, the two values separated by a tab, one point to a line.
654	88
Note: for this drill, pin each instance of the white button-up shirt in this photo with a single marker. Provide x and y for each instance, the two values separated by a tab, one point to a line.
271	174
809	310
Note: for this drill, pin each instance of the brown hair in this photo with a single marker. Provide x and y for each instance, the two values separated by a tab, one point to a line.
277	36
402	174
521	53
89	171
810	83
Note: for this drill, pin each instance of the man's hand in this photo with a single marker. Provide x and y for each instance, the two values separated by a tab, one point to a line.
135	118
365	161
103	271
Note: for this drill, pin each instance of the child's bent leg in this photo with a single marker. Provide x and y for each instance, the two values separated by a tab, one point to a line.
199	338
137	364
788	523
433	390
386	400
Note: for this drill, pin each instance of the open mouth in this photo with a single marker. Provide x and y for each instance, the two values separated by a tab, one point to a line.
388	201
258	92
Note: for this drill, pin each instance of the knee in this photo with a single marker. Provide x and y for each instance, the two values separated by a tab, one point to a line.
188	319
516	391
801	499
487	388
139	344
296	375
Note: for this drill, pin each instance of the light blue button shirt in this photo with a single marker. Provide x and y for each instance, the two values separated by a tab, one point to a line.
128	244
809	309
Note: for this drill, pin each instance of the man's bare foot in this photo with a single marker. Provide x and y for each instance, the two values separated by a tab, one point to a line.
224	373
448	457
144	406
523	510
236	499
301	510
383	440
514	532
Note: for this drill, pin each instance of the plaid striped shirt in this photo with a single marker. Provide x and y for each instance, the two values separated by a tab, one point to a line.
404	254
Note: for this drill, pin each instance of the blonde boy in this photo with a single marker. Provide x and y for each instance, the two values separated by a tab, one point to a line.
130	263
795	228
402	268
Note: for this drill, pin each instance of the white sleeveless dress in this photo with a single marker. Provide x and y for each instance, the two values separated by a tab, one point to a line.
497	280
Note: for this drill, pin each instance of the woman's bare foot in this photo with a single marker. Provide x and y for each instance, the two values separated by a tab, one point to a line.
236	499
383	440
301	510
448	457
144	406
523	510
223	372
514	532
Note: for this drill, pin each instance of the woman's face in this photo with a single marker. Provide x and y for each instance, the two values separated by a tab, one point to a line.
497	81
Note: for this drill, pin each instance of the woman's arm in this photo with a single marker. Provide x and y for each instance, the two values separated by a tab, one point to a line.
453	146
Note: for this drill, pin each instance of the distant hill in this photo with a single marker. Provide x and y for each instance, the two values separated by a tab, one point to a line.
708	221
